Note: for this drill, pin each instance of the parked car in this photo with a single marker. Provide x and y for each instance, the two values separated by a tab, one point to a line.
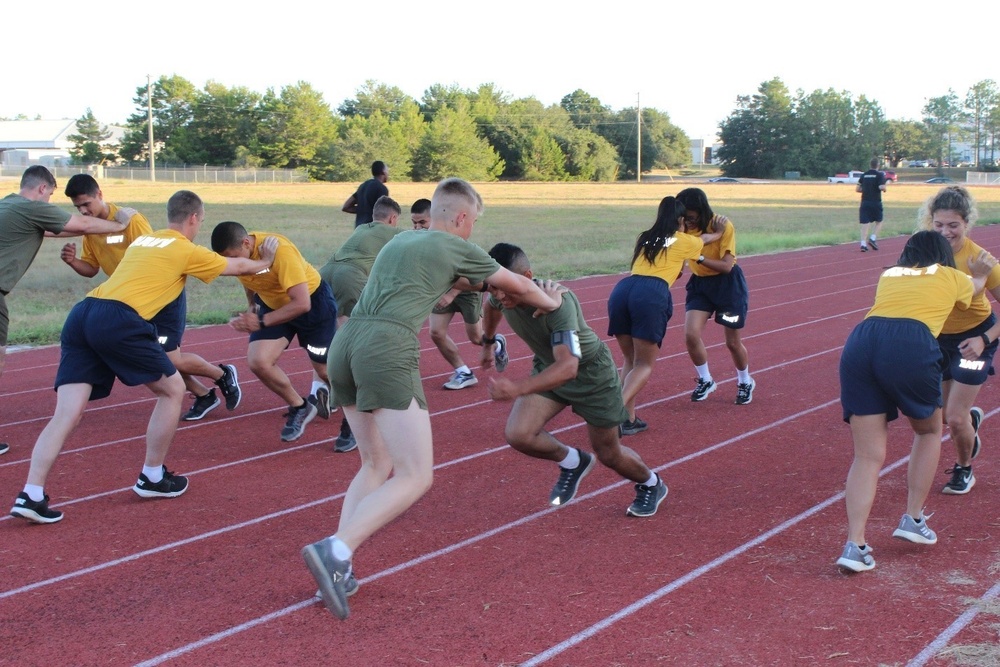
940	179
918	163
723	179
891	176
849	177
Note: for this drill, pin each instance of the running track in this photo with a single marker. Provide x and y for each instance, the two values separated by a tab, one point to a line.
735	569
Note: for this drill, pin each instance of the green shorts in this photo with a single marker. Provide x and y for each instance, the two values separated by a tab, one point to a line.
346	281
595	394
470	304
375	363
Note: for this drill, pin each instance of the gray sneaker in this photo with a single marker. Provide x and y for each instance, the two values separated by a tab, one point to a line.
346	442
569	480
856	559
915	530
461	380
500	356
350	588
647	499
331	574
298	417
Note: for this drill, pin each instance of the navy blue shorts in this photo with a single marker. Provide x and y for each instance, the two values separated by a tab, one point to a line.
104	339
890	366
726	295
870	211
170	322
640	306
315	329
962	370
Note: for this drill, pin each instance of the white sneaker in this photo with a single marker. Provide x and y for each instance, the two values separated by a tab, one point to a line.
461	380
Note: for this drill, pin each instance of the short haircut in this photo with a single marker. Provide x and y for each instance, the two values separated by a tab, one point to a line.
82	184
421	206
874	163
384	207
182	205
694	199
952	198
378	168
456	187
228	235
36	175
926	248
510	257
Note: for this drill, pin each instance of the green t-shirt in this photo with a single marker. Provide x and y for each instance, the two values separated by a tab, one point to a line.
23	223
537	331
414	269
362	247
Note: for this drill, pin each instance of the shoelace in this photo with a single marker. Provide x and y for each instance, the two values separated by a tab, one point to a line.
565	477
644	493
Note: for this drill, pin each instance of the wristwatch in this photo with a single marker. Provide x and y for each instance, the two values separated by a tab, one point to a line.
986	339
701	258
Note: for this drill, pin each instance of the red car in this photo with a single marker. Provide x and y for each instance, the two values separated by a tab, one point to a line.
890	176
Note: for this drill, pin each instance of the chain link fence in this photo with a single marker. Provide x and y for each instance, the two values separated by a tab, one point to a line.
204	174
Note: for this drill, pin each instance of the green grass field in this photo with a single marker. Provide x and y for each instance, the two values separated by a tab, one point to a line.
568	229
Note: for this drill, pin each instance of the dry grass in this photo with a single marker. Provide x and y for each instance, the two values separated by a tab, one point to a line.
568	229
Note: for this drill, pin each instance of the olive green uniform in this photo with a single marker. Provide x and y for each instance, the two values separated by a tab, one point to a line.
347	271
595	394
470	304
374	361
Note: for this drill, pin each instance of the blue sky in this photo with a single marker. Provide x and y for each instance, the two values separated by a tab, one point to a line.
690	59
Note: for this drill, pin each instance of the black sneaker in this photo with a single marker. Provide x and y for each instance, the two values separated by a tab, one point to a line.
632	427
331	574
170	486
962	481
298	417
321	399
4	448
744	392
702	389
864	248
569	480
500	356
346	442
350	587
230	386
37	512
977	419
202	406
872	243
647	499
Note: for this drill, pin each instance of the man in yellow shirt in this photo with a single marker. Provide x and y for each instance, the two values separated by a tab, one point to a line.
104	252
286	301
109	335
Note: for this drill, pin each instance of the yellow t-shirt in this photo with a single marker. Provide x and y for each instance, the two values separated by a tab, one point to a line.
153	271
670	260
926	294
105	251
961	321
716	249
288	270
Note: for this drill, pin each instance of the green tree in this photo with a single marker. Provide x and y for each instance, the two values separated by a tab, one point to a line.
451	147
173	101
905	139
941	115
756	135
299	128
980	101
374	97
223	120
586	111
89	142
363	139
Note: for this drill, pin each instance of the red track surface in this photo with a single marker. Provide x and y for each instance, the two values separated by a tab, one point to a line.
735	569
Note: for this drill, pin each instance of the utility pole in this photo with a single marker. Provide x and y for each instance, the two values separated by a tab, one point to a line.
149	122
638	134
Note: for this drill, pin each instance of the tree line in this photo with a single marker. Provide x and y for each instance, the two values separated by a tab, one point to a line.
480	134
824	132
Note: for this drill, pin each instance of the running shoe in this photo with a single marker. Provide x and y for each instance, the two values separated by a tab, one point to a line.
915	530
569	480
170	486
702	389
298	417
632	427
500	357
744	392
331	574
34	511
647	499
962	481
977	419
855	558
230	386
461	380
202	406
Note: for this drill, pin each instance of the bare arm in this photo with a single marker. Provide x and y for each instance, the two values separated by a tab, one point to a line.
300	303
85	269
351	205
241	266
559	373
491	320
85	224
531	294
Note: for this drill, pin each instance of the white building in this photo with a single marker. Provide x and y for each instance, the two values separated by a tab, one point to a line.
46	142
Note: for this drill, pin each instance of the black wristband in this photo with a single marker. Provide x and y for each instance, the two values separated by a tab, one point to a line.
986	339
488	341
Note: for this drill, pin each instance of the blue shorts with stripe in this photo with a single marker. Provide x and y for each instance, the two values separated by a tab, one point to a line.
640	306
964	371
870	211
104	339
890	366
314	329
726	295
170	322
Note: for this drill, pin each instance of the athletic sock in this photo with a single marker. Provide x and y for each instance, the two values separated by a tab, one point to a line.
743	376
153	473
339	549
572	459
35	492
652	481
703	373
872	238
463	369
